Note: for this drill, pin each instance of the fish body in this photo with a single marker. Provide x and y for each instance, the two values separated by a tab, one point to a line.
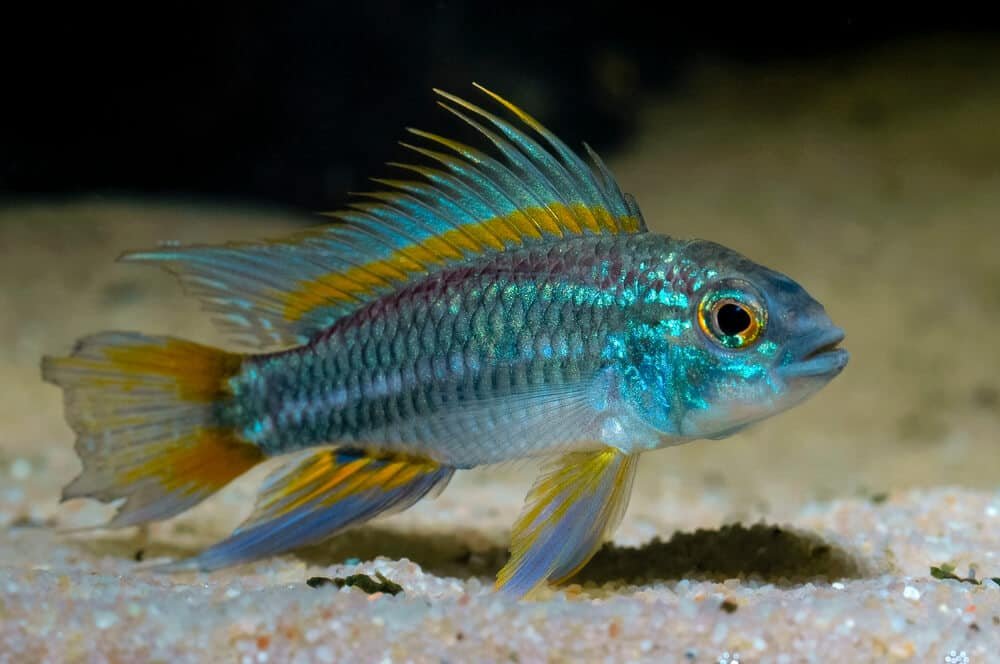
495	310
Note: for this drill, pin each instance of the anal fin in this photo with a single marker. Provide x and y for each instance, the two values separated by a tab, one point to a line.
576	503
317	495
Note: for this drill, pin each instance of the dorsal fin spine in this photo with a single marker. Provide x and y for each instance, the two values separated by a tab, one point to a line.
517	158
543	165
426	253
459	221
468	199
528	188
447	232
624	214
405	253
509	226
575	165
528	170
445	184
352	240
524	200
409	209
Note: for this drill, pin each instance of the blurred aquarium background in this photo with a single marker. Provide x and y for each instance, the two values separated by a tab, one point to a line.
859	155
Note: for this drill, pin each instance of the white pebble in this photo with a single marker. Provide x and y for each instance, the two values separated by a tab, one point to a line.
837	585
20	469
104	619
909	592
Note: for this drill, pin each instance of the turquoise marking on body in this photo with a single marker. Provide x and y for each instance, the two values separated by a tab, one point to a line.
414	339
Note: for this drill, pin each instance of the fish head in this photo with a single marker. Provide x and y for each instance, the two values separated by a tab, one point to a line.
743	344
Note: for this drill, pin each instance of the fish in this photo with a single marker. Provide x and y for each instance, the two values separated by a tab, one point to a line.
493	303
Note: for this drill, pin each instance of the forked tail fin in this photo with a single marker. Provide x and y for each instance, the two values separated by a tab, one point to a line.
145	413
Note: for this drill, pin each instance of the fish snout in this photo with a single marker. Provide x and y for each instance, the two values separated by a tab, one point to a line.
817	354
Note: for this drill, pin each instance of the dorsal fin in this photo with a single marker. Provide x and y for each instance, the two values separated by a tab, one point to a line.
469	203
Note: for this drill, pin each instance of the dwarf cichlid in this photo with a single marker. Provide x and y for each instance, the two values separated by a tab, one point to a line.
497	305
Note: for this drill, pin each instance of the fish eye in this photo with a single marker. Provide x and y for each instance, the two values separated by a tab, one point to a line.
731	318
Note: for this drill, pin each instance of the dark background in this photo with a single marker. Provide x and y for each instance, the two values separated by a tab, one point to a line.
296	103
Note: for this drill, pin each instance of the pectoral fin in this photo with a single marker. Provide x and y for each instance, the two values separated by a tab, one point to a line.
578	501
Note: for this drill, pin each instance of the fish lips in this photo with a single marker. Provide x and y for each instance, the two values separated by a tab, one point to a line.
819	356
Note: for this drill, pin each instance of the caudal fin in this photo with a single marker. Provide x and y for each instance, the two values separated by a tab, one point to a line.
145	413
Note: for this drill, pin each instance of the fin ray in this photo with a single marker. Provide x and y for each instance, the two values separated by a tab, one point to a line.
538	167
578	501
284	292
317	494
529	175
143	411
579	170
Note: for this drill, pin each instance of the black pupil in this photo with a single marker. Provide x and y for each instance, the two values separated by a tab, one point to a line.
733	319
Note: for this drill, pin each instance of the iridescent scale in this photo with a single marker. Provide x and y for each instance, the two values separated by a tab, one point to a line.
485	362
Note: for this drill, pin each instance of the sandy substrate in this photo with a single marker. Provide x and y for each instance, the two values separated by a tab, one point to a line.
875	184
848	578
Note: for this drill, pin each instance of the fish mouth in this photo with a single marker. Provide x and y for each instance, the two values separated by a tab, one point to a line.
821	356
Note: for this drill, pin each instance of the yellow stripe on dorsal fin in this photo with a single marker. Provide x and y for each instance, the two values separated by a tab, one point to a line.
529	214
530	190
533	163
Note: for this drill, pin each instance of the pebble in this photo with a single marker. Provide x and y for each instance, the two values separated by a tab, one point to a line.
105	619
20	468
